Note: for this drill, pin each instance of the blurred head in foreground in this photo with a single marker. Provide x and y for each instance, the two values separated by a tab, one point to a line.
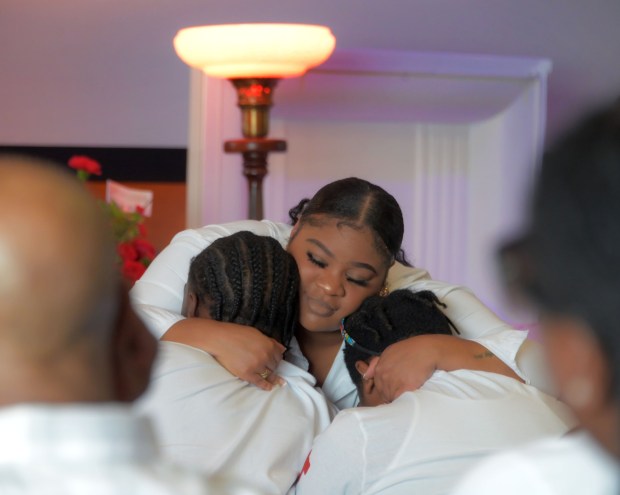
567	264
67	331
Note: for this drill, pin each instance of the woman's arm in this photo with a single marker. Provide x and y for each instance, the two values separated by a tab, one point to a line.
477	322
243	351
158	295
406	365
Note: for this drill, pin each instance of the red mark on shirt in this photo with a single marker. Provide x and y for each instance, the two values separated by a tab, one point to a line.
306	464
305	469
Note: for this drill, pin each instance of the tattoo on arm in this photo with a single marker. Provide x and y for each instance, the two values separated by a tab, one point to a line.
483	355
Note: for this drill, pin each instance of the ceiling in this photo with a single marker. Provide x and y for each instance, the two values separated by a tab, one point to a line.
124	47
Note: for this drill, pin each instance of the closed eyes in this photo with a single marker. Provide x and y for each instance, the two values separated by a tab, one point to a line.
321	264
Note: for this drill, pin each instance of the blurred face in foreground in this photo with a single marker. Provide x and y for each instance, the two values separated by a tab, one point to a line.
582	374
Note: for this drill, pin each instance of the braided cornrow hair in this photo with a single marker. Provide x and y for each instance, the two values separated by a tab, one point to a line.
250	280
382	321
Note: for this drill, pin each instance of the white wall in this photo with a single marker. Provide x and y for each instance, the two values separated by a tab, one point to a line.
503	152
459	181
86	74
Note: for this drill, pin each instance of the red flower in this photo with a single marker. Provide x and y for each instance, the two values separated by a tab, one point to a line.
90	166
132	270
144	248
127	251
134	251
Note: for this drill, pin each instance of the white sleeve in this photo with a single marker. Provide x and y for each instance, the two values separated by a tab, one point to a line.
158	295
477	322
336	462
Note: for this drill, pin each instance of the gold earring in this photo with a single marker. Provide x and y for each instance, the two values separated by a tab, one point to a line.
384	291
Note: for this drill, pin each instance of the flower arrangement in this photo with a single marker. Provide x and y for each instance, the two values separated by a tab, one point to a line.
134	251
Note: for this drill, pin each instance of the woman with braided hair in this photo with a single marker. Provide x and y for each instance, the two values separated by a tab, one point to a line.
248	280
346	242
207	418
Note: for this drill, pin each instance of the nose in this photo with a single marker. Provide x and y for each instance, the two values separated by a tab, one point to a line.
331	284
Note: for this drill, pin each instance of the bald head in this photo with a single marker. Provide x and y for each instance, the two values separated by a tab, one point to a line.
58	285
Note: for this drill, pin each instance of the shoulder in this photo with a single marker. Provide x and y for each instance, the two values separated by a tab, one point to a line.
569	465
418	279
209	233
401	276
182	369
346	427
183	354
572	456
473	384
368	424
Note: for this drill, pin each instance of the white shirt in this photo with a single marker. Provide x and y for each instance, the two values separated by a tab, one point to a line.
571	465
85	449
205	417
158	296
425	440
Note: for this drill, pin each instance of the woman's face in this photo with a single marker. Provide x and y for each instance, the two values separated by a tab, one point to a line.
339	267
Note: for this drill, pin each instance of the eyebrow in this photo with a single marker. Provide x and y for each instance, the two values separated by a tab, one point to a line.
358	264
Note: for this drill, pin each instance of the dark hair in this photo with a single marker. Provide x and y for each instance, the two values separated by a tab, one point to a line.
382	321
358	203
569	260
248	279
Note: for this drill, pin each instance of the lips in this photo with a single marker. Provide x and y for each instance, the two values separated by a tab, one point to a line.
319	308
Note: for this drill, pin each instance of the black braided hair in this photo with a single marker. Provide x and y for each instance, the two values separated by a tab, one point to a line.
382	321
250	280
358	203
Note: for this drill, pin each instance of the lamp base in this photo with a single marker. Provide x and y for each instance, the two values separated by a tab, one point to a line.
255	153
255	98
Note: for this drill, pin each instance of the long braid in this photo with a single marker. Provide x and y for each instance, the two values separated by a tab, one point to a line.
277	286
291	303
233	271
224	286
258	286
213	286
202	280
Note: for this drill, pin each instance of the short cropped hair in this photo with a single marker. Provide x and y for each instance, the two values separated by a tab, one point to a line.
382	321
250	280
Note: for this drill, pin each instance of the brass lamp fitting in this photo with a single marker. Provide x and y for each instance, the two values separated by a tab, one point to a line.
254	98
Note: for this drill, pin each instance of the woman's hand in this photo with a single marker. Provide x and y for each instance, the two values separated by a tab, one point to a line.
404	366
243	351
407	364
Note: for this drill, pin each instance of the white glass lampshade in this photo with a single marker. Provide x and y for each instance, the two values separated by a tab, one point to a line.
254	50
